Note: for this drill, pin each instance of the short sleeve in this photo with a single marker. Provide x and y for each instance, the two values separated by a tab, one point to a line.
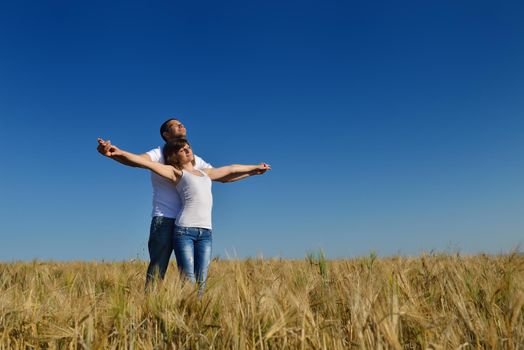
155	154
201	164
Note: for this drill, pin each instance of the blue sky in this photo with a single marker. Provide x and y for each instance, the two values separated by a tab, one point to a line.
393	127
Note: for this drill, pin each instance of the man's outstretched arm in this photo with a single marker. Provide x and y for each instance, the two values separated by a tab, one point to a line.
104	148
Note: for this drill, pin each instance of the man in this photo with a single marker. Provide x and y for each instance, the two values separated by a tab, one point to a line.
166	202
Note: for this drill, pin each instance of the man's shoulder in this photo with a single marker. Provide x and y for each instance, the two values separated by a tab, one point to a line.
155	154
201	164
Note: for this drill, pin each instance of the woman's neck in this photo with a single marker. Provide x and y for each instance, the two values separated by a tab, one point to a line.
188	166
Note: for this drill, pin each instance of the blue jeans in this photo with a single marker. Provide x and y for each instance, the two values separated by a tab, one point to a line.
193	253
160	246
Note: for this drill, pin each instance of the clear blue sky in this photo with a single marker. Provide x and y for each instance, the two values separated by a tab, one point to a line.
394	127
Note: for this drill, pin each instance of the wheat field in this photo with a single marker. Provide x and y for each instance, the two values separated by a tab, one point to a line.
434	301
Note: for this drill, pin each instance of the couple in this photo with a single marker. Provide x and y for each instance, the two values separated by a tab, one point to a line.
182	200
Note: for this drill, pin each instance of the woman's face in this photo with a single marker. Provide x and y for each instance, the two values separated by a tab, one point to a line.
185	155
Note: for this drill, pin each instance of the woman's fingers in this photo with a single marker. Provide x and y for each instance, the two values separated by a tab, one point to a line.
262	168
102	147
101	141
105	147
114	151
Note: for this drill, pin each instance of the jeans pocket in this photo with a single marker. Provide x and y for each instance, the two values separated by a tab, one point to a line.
207	234
180	231
158	222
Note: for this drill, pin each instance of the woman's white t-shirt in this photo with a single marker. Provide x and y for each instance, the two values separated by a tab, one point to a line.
166	201
197	200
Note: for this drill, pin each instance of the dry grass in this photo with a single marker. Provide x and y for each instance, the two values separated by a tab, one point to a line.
432	301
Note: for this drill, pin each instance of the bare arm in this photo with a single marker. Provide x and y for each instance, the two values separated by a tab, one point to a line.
135	160
235	172
231	178
104	147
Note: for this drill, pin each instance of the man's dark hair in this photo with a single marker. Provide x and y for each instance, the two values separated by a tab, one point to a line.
163	128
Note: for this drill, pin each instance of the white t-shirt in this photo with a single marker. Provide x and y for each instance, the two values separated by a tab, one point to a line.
197	200
166	201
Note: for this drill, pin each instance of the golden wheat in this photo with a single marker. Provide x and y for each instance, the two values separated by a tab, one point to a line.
433	301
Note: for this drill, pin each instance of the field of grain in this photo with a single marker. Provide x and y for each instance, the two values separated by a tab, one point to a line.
434	301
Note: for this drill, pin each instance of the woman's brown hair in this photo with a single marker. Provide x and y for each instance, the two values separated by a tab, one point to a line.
170	150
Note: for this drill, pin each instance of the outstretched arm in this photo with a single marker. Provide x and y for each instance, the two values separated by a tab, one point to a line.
236	172
135	160
104	147
231	178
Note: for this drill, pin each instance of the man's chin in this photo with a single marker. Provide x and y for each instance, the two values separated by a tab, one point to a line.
178	137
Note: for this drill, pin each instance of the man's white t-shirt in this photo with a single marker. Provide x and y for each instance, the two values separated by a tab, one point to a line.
166	201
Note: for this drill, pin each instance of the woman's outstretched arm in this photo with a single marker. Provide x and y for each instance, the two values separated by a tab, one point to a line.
167	171
104	146
236	172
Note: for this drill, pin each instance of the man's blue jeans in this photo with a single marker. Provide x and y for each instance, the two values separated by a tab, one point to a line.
160	246
192	247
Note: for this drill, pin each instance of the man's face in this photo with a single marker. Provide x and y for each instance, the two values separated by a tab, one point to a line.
175	129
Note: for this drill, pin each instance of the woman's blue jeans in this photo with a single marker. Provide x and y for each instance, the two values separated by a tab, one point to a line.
192	247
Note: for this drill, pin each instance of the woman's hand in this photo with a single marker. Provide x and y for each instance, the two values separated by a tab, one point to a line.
103	147
107	149
140	161
261	169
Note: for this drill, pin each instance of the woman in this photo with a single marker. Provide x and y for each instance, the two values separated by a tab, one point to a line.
193	231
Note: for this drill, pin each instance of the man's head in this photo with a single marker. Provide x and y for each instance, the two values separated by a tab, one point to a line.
172	129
